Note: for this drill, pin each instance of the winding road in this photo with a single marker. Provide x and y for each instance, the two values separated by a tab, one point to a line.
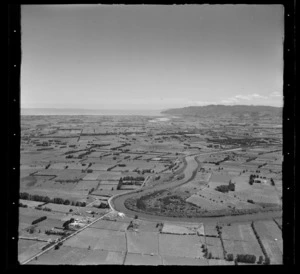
117	202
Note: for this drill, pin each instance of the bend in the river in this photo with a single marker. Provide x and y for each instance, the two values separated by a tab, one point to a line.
117	202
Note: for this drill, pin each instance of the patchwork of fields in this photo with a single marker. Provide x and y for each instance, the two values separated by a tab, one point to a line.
174	168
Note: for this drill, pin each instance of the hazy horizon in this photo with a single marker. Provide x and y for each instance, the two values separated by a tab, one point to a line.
142	57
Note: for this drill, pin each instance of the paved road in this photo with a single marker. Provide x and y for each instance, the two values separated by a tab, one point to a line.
117	202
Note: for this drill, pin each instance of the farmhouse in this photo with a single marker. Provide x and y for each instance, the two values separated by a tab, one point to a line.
260	181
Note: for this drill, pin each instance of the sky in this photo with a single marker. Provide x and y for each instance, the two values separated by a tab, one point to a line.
151	57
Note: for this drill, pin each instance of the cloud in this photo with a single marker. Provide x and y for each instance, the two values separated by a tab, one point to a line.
202	103
253	98
275	94
239	98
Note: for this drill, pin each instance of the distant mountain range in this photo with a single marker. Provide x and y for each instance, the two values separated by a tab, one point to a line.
241	111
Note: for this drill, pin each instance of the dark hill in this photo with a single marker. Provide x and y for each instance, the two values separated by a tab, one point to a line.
223	110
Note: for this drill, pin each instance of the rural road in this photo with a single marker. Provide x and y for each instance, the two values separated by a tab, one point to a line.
64	239
116	202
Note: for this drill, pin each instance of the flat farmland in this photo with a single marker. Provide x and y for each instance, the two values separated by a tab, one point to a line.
142	259
240	239
107	187
65	255
142	242
34	181
145	226
99	257
91	176
180	246
261	194
53	185
271	237
219	262
60	208
204	203
129	187
172	260
109	175
28	248
60	192
182	229
110	225
210	230
76	166
96	154
85	185
32	168
26	216
30	203
108	192
241	183
99	239
219	177
101	167
111	183
58	166
63	175
70	175
241	247
214	246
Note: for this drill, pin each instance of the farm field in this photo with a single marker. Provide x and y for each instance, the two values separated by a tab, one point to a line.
88	159
142	259
180	246
271	237
142	242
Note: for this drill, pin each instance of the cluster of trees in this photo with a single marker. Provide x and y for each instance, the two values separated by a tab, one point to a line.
67	181
272	182
246	258
229	257
267	259
149	170
46	199
39	220
253	176
66	223
47	245
44	209
207	254
91	190
55	232
226	188
131	178
22	205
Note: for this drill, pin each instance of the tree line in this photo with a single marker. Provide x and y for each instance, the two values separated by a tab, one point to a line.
46	199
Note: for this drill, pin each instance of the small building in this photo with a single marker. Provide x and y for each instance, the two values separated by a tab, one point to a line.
260	181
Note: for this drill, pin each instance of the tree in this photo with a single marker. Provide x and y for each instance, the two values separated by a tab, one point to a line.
229	257
47	199
260	260
267	261
66	202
